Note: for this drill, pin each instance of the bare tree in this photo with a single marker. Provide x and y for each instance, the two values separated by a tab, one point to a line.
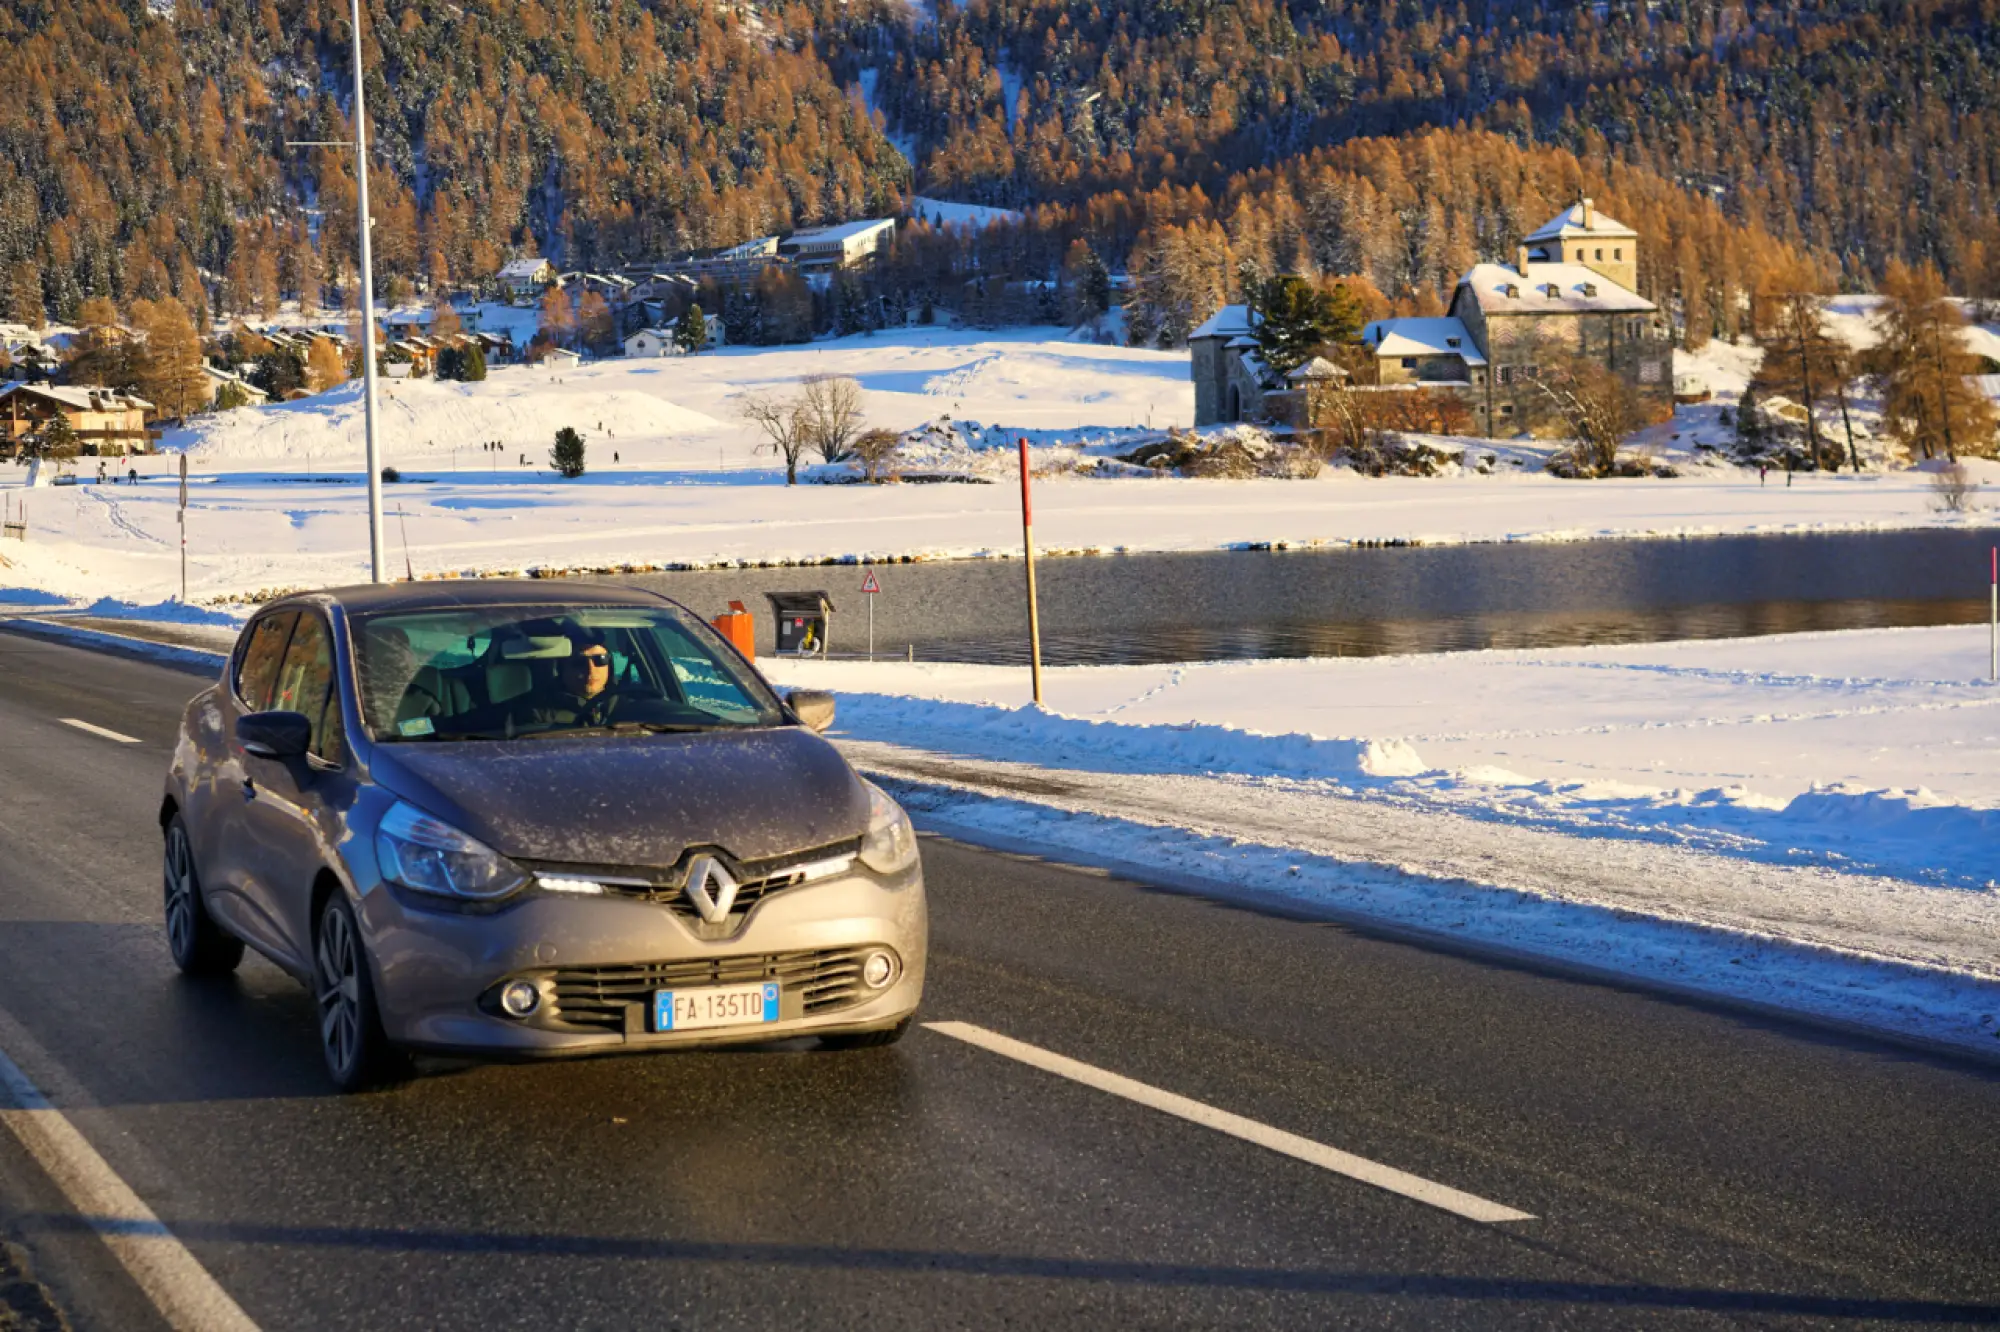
873	450
1953	488
1596	408
1803	360
832	407
787	427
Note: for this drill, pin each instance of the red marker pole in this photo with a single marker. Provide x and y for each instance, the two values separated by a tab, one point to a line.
1034	611
1993	620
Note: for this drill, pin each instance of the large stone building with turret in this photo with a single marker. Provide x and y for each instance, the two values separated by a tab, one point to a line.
1567	295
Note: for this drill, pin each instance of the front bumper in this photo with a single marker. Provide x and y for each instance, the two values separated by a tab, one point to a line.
433	967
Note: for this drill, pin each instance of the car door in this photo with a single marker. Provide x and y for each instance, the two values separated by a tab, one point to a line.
220	827
292	807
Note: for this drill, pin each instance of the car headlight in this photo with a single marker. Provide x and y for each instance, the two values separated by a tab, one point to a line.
891	844
431	856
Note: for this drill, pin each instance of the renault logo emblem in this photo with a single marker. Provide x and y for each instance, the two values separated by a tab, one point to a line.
711	888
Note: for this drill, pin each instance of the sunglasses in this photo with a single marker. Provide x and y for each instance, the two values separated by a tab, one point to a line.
593	658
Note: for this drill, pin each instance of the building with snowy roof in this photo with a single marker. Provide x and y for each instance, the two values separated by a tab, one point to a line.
104	420
524	277
1566	298
839	246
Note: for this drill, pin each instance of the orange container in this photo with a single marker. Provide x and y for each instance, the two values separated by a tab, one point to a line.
736	625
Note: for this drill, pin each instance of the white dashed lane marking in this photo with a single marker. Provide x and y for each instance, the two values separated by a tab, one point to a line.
1414	1187
187	1297
99	730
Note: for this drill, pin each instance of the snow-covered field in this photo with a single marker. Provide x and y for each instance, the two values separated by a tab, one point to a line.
1875	750
277	499
1729	815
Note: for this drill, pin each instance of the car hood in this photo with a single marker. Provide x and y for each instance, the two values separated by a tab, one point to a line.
636	800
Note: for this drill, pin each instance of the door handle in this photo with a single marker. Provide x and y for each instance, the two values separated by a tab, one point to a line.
249	789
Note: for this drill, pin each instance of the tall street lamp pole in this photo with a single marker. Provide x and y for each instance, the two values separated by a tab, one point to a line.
376	558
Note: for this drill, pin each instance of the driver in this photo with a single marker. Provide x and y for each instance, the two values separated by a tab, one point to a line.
583	695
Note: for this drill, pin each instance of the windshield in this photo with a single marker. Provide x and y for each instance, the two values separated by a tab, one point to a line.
502	672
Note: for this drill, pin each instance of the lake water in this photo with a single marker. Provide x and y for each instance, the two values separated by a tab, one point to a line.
1238	604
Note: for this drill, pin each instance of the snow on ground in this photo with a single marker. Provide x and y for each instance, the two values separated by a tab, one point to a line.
1873	750
945	213
1774	818
675	477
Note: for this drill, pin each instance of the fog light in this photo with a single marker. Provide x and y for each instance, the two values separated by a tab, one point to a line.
520	998
878	970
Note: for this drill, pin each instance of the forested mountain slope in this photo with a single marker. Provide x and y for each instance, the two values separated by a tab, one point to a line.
1867	128
144	153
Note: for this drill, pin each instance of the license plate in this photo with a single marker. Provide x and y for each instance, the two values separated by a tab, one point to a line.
722	1006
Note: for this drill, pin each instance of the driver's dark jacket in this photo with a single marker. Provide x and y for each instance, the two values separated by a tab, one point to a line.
566	709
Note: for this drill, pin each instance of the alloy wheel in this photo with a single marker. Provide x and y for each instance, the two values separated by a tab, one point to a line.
339	990
180	894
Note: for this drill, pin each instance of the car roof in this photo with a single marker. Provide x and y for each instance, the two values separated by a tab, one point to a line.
375	598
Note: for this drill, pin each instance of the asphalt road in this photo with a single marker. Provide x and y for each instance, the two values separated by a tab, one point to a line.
1685	1165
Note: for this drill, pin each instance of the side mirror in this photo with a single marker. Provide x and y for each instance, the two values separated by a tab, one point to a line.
813	706
274	735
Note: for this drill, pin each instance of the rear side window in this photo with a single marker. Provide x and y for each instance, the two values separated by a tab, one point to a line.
305	684
257	671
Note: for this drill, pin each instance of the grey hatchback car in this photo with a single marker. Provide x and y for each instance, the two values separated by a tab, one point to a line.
495	818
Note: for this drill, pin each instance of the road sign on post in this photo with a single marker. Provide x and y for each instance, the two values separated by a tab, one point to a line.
870	588
1034	612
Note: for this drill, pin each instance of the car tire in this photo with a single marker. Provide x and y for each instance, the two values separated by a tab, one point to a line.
200	947
358	1055
867	1040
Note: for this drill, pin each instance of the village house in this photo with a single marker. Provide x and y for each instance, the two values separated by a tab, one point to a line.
650	342
613	287
216	378
106	421
659	341
525	277
1568	296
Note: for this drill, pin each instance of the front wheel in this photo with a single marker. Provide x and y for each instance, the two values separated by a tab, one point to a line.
199	945
358	1054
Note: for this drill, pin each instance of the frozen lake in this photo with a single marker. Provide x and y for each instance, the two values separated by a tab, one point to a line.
1197	607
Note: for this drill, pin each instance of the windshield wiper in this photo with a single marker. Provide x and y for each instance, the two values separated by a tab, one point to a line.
624	728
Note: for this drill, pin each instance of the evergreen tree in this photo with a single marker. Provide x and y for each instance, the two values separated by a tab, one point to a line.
279	372
472	362
1086	284
1299	318
691	330
567	455
56	439
1753	434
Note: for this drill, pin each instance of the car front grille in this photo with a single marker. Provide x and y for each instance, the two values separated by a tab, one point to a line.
822	980
756	880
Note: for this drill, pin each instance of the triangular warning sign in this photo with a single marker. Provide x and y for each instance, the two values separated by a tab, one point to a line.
868	583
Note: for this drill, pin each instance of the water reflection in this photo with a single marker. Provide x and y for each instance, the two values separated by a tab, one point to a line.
1165	608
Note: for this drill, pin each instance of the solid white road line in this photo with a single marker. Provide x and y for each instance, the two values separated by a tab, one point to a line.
1360	1168
179	1287
99	730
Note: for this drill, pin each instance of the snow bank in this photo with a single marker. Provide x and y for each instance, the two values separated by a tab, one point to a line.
997	731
